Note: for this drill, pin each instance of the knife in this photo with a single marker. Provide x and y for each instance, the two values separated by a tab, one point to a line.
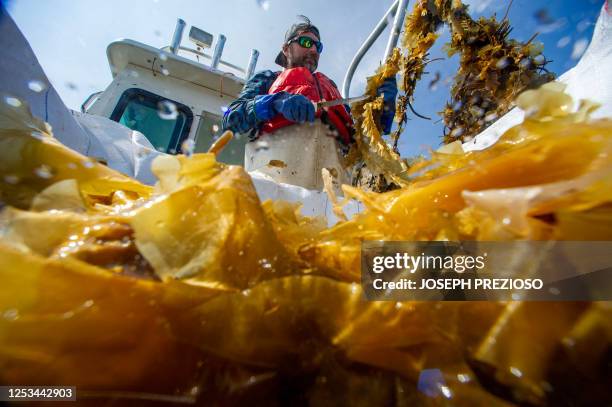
345	101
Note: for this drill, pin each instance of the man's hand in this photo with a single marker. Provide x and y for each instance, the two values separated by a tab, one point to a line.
297	108
235	122
389	91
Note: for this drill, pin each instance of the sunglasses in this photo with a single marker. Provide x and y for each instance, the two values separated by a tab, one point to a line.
307	42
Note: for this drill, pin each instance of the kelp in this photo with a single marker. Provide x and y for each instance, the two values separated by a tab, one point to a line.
28	148
493	71
195	291
369	147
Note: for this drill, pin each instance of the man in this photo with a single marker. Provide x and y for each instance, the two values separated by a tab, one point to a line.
273	108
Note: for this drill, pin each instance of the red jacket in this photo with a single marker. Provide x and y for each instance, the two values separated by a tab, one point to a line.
315	87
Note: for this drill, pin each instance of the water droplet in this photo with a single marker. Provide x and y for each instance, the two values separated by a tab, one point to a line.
354	288
187	147
133	74
446	392
583	25
167	110
11	179
265	263
44	172
215	128
516	371
579	47
224	109
12	101
430	382
37	86
241	253
539	60
165	72
11	314
88	163
463	378
246	292
398	305
71	86
456	133
263	4
68	314
506	221
163	56
88	303
525	63
564	42
502	63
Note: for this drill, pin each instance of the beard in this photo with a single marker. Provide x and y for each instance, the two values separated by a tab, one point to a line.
307	61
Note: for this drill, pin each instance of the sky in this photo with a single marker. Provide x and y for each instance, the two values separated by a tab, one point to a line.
70	40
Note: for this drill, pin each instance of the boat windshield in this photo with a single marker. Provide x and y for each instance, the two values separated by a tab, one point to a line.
164	123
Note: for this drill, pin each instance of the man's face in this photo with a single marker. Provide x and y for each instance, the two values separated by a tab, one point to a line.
298	56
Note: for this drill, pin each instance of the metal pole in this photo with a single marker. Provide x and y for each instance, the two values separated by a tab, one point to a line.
398	22
178	35
252	64
346	84
218	51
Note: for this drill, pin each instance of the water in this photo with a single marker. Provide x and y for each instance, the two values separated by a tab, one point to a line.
188	147
11	179
44	172
579	47
37	86
263	4
564	41
167	110
502	63
12	101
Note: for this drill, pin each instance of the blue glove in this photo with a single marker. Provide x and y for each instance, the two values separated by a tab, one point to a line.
389	91
236	123
297	108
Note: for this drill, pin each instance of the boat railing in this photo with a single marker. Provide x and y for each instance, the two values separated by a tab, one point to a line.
398	10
